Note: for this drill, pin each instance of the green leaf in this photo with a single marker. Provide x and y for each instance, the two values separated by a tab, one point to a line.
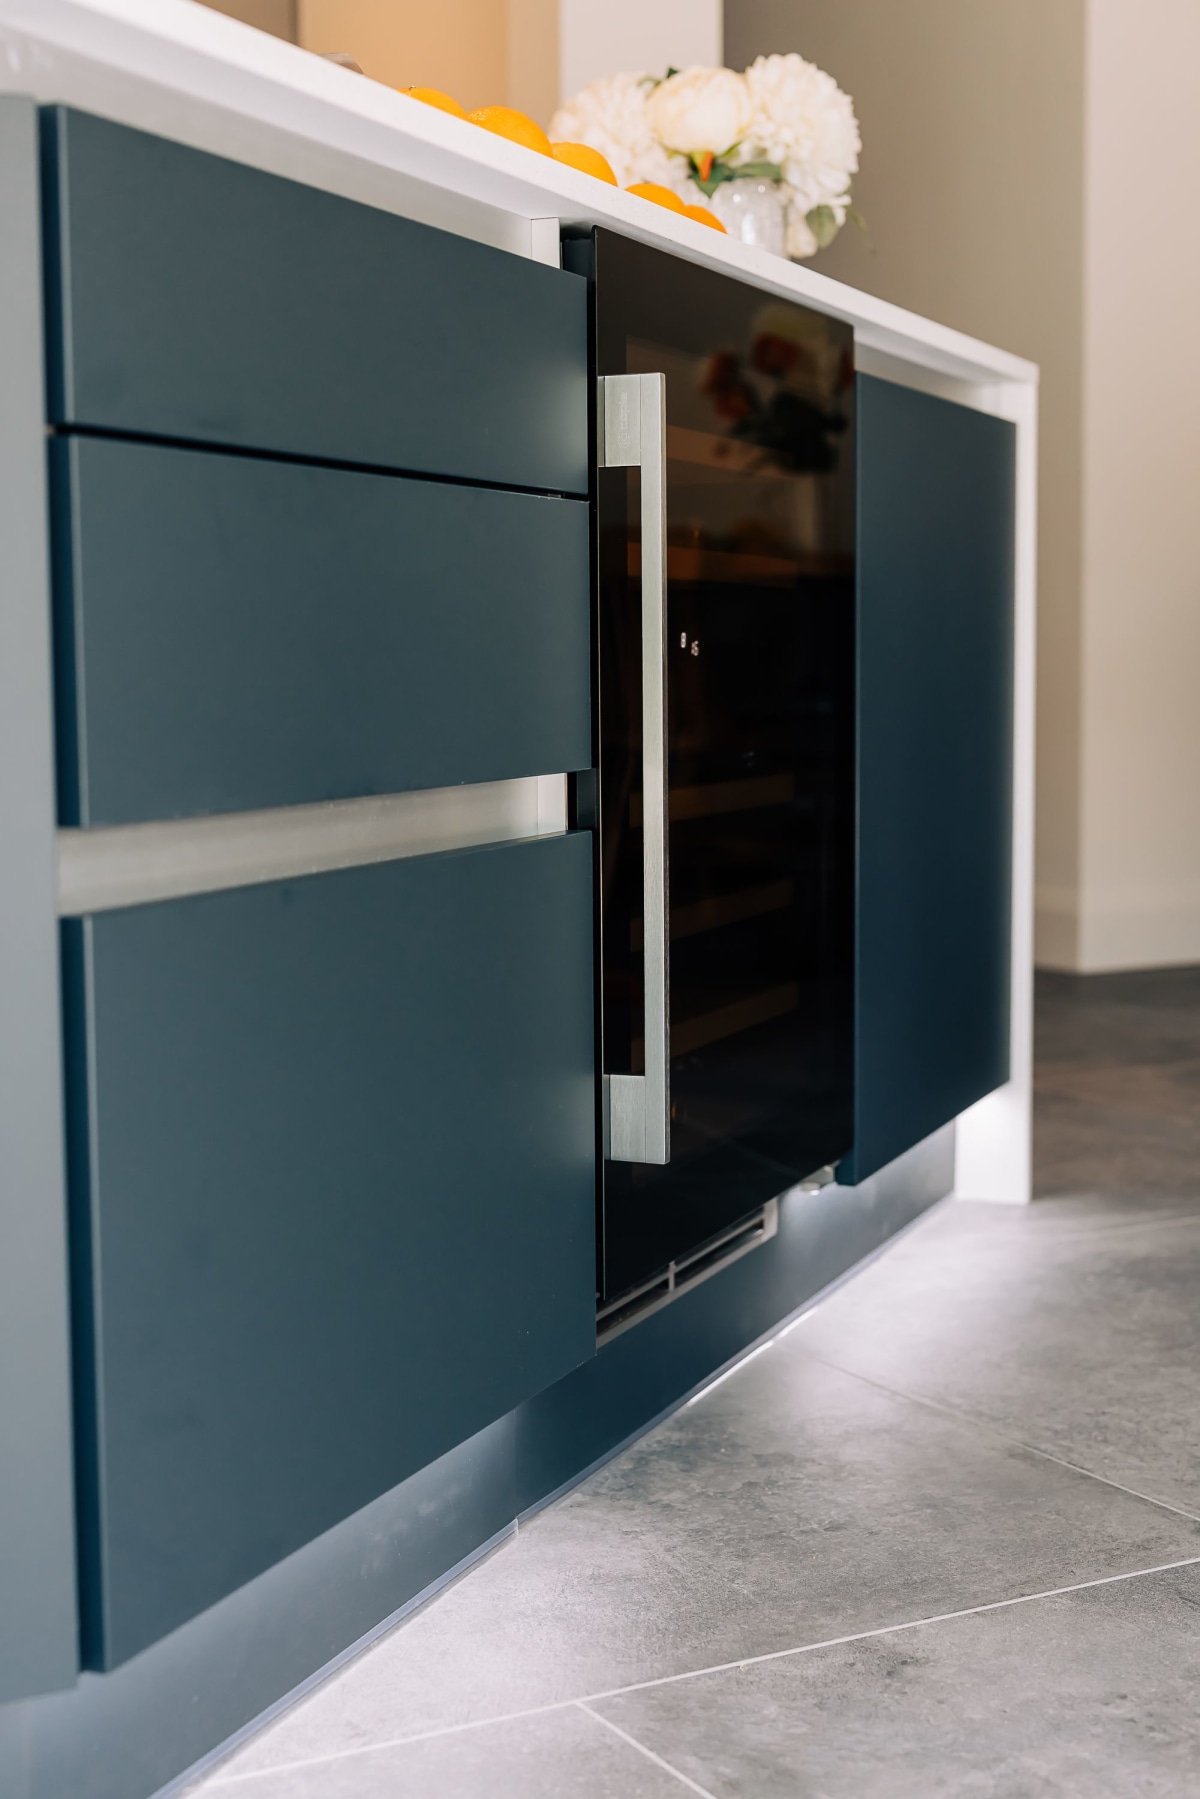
719	172
822	221
755	171
860	224
733	171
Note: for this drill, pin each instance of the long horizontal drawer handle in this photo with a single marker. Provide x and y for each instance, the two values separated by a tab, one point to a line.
131	865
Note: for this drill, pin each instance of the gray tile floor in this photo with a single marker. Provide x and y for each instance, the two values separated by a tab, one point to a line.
941	1538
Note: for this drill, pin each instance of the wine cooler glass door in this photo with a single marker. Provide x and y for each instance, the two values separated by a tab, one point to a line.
754	969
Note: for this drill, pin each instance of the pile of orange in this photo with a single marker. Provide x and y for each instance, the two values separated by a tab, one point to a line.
665	196
507	122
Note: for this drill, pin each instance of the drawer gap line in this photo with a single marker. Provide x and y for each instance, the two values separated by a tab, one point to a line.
340	465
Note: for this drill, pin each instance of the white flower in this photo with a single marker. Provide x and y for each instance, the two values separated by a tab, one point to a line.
803	121
699	110
610	115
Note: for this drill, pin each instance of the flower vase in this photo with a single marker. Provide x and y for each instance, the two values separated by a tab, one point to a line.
754	211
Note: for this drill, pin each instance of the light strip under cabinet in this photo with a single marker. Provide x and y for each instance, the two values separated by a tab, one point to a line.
109	866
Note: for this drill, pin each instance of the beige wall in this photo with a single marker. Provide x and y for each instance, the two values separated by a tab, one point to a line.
1028	176
1141	630
482	51
460	46
606	37
534	48
276	16
523	53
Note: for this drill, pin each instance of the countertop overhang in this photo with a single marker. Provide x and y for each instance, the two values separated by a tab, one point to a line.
186	72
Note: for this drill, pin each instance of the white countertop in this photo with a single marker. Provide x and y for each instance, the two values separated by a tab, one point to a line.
186	72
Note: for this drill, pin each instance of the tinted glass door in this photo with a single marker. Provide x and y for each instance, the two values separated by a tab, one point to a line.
760	646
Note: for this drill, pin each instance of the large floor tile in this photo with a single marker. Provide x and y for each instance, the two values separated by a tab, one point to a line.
1117	1084
1094	1125
789	1504
1072	1324
1091	1696
563	1755
1136	1018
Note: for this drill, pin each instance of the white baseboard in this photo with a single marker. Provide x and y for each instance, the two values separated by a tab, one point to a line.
1055	933
1159	932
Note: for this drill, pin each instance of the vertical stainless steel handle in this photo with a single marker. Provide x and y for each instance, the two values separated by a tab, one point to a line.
633	434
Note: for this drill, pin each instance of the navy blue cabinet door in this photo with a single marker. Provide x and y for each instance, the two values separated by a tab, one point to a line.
237	632
935	699
194	298
333	1195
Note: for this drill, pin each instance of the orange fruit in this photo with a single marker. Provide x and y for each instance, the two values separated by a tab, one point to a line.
582	156
661	196
506	121
433	96
704	216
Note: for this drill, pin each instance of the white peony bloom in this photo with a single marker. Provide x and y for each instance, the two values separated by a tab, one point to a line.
803	121
699	110
610	115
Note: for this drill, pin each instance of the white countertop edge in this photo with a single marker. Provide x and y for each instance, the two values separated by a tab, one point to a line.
203	56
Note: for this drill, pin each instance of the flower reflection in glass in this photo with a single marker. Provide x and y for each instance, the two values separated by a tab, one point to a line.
783	394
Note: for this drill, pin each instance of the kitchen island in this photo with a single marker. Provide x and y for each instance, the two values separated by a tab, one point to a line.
300	1137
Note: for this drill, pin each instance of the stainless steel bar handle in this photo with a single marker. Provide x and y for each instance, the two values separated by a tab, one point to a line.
633	434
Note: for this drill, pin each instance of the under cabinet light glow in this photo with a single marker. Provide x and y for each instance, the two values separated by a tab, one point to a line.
794	1323
761	1350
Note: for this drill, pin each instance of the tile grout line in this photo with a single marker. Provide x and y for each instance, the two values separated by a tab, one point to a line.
641	1748
742	1662
983	1424
886	1630
207	1771
193	1781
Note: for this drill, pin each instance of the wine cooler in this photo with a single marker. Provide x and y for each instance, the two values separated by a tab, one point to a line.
724	512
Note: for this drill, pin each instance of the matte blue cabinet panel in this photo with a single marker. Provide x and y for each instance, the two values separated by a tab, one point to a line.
236	632
192	297
936	507
333	1194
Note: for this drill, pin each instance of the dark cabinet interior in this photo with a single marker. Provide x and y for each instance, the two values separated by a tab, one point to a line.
935	708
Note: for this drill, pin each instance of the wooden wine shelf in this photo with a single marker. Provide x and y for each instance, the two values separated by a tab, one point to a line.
722	566
720	796
726	1021
741	567
706	449
713	914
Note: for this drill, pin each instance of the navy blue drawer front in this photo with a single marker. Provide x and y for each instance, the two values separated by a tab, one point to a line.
192	297
935	696
237	633
334	1202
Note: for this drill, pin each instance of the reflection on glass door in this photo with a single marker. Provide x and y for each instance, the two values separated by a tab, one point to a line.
760	645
